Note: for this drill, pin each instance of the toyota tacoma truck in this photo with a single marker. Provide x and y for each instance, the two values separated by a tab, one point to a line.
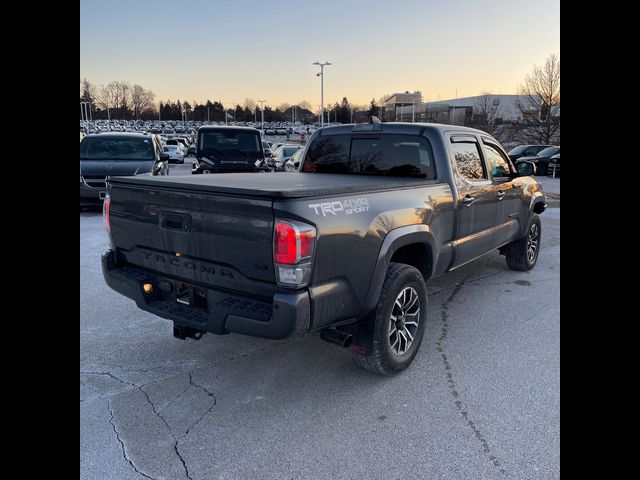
342	248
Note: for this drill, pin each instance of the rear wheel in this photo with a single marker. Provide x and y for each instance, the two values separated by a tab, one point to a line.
398	322
522	254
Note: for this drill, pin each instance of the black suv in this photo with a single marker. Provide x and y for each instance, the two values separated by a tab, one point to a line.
223	149
122	154
525	151
541	159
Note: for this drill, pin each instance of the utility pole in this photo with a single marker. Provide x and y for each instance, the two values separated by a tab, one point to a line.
261	102
413	110
321	75
208	114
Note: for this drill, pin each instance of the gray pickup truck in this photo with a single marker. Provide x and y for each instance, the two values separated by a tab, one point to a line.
344	247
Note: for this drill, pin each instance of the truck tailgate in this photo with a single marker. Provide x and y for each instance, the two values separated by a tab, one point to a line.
217	240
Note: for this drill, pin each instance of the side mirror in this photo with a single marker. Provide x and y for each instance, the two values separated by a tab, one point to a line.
525	169
164	157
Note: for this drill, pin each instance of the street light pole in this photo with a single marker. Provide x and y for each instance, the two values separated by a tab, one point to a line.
321	75
261	102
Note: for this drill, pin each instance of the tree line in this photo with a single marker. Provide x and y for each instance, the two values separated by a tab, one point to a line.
539	111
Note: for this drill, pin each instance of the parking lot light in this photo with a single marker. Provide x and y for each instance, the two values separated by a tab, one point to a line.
321	75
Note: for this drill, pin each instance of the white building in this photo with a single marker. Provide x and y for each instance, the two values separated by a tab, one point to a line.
460	111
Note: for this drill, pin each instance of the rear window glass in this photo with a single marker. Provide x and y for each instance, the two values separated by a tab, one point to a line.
116	148
547	152
229	140
288	151
388	155
518	150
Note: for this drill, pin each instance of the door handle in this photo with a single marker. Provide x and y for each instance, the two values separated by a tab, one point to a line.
500	194
468	200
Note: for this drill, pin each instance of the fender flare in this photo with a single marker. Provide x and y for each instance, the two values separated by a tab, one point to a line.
537	197
394	240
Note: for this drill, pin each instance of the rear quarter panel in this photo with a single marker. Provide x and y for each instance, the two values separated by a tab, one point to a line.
351	230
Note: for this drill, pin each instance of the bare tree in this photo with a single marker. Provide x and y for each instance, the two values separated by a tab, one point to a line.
124	93
141	100
249	104
304	105
485	112
107	97
87	91
540	106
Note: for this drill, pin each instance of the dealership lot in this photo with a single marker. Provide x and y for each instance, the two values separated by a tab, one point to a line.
481	400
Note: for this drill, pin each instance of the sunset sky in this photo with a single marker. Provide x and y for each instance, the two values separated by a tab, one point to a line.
238	49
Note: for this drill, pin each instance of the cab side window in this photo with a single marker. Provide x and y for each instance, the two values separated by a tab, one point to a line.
468	161
496	161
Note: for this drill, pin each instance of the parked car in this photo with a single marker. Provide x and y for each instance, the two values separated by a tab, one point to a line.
275	146
284	153
266	147
178	142
525	151
541	160
223	149
277	255
106	154
176	155
293	164
269	131
554	165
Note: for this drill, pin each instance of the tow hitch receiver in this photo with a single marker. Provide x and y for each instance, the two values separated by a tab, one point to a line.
182	332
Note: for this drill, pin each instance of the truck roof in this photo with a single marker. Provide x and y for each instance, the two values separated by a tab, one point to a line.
394	127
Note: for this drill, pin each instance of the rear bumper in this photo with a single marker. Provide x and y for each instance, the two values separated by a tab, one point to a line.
279	317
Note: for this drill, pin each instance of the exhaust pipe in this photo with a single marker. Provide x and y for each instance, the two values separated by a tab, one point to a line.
181	332
337	337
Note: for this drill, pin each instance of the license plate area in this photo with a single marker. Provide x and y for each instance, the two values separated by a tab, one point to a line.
187	294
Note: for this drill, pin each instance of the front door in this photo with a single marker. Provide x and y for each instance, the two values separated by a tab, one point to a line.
509	193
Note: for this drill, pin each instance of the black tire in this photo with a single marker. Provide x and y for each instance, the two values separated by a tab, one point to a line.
517	253
381	359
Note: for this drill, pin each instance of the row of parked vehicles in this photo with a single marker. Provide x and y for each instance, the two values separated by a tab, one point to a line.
218	149
546	158
172	127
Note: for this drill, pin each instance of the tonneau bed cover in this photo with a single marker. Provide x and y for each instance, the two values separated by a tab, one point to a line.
273	185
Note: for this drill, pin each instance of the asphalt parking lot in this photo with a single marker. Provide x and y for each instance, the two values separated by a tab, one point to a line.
480	401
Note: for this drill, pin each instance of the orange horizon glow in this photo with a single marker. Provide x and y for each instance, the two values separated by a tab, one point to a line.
233	51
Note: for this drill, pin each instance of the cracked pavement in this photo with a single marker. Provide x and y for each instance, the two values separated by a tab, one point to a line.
480	401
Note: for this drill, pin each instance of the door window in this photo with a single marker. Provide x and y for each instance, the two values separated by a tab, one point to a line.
496	161
468	161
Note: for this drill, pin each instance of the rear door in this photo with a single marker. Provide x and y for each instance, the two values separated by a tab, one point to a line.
477	205
508	193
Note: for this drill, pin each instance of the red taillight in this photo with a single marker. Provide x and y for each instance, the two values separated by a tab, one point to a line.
285	244
106	206
293	242
306	244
